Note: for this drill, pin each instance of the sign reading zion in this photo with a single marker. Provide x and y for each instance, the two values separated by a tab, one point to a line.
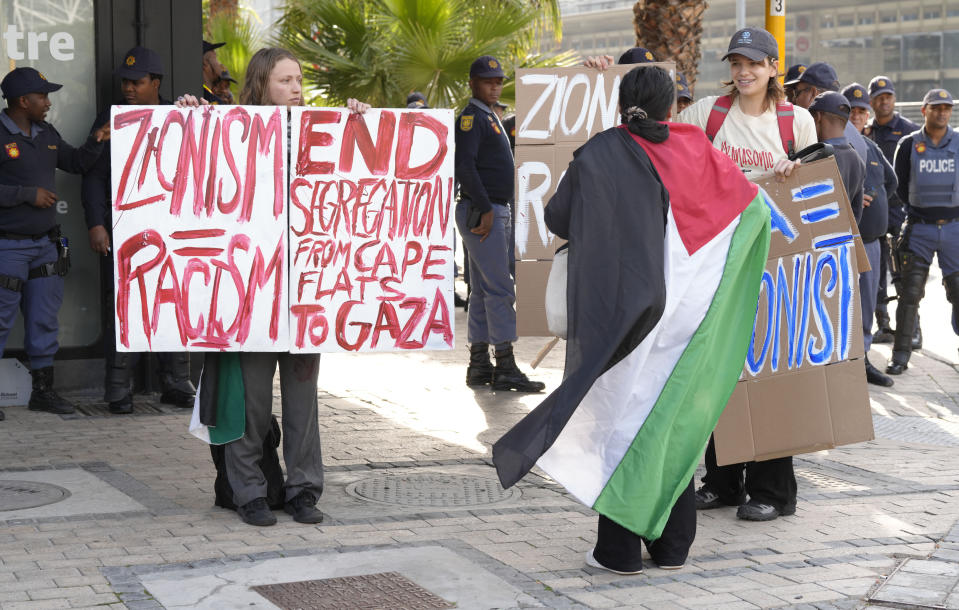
215	252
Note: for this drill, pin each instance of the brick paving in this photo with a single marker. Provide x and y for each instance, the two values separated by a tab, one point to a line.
863	510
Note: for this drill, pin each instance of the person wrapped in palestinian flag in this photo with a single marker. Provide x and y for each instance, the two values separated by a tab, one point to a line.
667	244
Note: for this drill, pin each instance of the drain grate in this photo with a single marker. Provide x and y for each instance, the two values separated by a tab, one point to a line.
364	592
17	495
431	489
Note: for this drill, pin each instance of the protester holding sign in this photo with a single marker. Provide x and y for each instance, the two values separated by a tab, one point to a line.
140	72
757	129
34	257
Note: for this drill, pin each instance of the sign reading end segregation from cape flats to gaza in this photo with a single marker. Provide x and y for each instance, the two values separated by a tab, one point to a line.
200	228
371	230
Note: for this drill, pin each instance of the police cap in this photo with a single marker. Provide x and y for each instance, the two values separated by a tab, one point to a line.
416	100
487	66
793	74
857	96
682	87
881	84
821	76
225	75
21	81
636	55
139	62
936	97
211	46
831	102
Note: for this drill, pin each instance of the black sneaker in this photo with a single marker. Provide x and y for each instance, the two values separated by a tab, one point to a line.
706	499
303	508
124	406
256	512
757	511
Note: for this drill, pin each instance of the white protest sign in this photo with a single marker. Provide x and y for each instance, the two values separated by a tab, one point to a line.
200	228
371	230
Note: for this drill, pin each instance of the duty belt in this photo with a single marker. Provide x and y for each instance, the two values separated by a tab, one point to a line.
53	234
926	221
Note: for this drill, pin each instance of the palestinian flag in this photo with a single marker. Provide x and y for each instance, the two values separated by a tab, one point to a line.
219	410
628	441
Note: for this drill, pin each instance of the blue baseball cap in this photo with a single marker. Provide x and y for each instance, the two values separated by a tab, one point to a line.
793	74
636	55
821	76
487	66
416	100
755	43
682	87
21	81
936	97
881	84
831	102
856	95
139	62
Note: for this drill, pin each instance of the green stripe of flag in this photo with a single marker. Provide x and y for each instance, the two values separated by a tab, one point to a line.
230	401
663	456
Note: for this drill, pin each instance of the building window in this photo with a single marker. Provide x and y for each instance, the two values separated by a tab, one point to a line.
922	51
932	13
888	18
891	53
866	19
847	20
911	16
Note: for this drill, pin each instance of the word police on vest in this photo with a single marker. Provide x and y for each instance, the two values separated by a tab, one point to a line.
60	44
937	166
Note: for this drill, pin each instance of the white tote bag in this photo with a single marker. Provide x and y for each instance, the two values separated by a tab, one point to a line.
556	318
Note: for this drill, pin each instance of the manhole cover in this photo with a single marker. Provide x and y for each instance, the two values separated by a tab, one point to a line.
16	495
430	490
368	591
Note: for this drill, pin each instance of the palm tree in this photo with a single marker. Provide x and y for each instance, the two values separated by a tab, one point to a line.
380	50
672	29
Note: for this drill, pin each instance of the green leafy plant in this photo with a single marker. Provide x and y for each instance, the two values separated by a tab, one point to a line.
243	34
380	50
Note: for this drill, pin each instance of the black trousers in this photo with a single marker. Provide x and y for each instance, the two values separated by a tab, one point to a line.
882	299
770	482
620	549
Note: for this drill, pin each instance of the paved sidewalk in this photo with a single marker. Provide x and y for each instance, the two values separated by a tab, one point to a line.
409	490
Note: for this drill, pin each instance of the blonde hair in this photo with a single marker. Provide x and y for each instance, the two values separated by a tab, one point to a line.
774	89
256	90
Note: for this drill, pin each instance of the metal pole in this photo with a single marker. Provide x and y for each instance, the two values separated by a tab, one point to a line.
776	25
740	14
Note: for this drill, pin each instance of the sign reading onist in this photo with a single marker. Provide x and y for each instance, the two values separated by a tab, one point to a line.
200	228
371	230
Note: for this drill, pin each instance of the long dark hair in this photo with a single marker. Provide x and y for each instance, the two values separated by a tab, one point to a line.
646	95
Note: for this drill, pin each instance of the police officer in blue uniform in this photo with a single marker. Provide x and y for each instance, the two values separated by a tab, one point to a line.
927	165
34	257
212	69
880	181
484	170
140	73
684	97
886	129
791	80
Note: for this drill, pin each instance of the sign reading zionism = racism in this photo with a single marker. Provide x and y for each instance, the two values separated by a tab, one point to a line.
199	228
217	251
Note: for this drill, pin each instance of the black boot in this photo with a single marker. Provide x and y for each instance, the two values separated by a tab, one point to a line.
874	377
2	416
885	333
480	369
898	364
917	336
116	386
44	397
175	380
507	376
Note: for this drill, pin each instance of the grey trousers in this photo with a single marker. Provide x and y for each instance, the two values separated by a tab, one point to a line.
301	433
492	318
869	290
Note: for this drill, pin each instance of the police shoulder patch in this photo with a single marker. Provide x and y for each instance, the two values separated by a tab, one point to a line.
921	147
466	122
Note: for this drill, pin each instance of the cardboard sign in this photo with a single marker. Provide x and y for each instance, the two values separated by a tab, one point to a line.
557	110
199	228
371	230
803	387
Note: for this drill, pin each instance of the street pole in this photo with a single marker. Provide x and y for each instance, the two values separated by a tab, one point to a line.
776	25
740	14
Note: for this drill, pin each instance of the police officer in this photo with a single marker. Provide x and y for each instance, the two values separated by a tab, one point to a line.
886	129
34	257
635	55
140	73
684	97
484	170
416	100
212	69
221	88
927	165
880	181
791	80
817	78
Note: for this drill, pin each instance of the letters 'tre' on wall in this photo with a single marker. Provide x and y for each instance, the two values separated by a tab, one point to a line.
221	246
